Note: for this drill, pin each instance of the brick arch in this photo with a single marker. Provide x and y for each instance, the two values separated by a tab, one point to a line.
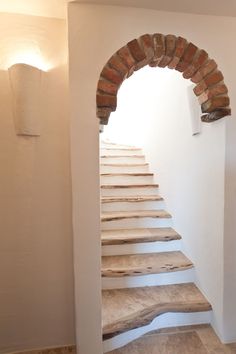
162	51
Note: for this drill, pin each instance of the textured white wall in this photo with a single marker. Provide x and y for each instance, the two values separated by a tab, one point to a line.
36	266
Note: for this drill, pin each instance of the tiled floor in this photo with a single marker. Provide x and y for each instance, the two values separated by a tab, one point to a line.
183	340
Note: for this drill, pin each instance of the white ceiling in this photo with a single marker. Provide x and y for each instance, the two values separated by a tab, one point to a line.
57	8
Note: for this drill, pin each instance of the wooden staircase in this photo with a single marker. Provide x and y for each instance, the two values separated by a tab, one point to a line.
148	283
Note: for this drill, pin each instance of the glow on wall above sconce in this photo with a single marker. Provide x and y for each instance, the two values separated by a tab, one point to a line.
25	81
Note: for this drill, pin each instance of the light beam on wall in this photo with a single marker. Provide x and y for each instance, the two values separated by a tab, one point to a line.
25	81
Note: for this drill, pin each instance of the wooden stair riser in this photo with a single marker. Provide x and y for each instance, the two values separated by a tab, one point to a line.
126	179
133	206
123	152
184	276
130	191
140	248
136	223
163	321
123	160
140	168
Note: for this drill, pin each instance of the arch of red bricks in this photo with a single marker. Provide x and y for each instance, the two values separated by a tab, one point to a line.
162	51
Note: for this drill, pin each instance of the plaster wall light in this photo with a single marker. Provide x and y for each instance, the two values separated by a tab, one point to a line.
25	81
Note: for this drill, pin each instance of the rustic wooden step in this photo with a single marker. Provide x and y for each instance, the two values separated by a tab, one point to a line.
126	309
124	164
130	236
131	198
126	214
111	144
142	264
116	186
121	156
128	174
117	148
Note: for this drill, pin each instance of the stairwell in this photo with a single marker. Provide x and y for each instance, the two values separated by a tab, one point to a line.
148	283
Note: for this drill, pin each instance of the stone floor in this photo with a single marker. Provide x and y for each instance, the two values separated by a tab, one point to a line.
182	340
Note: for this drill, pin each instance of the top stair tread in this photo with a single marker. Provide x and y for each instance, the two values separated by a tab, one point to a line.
123	164
144	263
121	156
105	144
125	309
127	236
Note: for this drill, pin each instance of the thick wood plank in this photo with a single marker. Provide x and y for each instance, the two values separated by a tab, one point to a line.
142	264
128	174
124	164
131	198
125	309
121	215
127	236
121	156
117	186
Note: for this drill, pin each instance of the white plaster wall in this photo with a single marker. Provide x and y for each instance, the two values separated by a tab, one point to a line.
36	266
96	32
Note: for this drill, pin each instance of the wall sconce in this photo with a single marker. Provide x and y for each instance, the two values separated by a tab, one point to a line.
25	81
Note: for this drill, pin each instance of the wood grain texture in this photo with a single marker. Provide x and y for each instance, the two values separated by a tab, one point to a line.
125	309
131	198
121	156
118	186
124	164
130	236
130	174
120	215
146	263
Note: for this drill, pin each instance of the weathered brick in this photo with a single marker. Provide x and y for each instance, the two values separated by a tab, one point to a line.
159	48
116	63
204	70
181	44
126	56
112	75
214	103
136	51
103	113
147	44
199	59
211	92
107	101
107	87
200	88
213	78
170	42
187	58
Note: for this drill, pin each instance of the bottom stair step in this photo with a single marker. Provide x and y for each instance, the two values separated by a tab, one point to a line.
126	309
